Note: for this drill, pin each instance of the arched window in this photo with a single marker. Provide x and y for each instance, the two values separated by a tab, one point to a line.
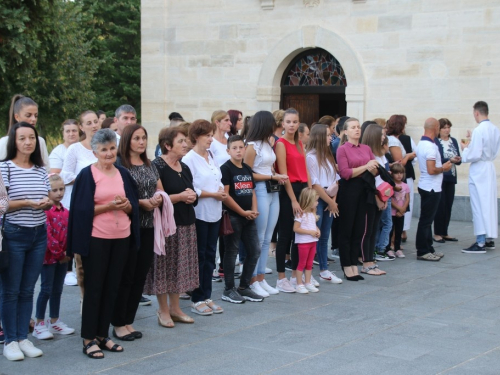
315	67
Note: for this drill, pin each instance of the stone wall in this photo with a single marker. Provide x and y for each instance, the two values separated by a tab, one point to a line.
420	58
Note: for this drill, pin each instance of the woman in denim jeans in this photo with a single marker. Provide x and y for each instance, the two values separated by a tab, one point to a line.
260	157
25	234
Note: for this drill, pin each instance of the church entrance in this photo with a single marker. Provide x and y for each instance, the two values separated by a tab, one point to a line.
314	84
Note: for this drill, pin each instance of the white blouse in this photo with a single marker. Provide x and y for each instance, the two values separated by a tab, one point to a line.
57	155
264	158
323	177
219	151
207	177
382	160
395	142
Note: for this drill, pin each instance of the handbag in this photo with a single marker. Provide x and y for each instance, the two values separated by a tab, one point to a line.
332	190
384	191
272	186
225	225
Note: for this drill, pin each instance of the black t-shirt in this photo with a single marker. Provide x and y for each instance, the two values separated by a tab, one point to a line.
241	184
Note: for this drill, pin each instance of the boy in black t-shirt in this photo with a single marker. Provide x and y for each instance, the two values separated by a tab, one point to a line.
241	203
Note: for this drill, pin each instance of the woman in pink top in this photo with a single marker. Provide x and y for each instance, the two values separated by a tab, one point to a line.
355	200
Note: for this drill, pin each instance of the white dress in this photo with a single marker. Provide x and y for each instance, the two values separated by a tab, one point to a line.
481	152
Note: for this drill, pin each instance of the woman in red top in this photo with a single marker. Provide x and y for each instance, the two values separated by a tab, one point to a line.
291	161
356	203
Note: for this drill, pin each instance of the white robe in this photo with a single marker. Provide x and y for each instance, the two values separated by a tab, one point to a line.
481	152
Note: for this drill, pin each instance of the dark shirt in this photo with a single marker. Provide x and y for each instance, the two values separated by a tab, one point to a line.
175	183
241	184
335	146
146	178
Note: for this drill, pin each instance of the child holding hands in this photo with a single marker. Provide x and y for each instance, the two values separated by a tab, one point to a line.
400	202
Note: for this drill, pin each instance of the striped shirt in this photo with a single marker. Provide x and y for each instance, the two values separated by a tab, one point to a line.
32	184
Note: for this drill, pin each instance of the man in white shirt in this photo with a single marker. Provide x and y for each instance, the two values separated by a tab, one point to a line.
125	115
429	188
481	152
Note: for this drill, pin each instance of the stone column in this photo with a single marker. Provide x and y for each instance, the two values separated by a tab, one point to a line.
355	98
154	33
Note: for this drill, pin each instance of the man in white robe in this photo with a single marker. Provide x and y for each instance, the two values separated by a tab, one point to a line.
481	152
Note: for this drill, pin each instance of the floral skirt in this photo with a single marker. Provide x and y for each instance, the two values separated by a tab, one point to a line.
177	270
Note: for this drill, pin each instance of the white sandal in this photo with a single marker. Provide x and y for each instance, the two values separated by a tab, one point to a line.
201	308
216	309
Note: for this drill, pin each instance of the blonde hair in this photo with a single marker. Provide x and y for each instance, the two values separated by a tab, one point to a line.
218	116
346	126
54	177
308	197
279	115
380	121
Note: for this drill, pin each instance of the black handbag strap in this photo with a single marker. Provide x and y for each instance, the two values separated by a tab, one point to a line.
7	188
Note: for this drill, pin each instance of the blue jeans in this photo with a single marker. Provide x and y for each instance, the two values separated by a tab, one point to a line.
206	236
51	289
384	229
324	224
27	247
268	205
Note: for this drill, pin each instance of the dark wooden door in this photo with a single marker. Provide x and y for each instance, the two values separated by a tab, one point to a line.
306	104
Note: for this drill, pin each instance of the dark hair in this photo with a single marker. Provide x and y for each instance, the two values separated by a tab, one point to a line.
340	125
232	139
124	147
262	126
482	108
327	120
233	116
364	126
99	113
396	125
175	115
17	103
398	168
167	136
69	121
107	122
303	126
444	122
36	155
199	128
373	138
247	123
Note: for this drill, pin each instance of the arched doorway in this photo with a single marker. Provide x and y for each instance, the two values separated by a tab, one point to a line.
314	83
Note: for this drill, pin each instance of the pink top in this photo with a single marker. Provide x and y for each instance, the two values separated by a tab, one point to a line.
350	156
295	162
399	196
111	224
57	234
307	221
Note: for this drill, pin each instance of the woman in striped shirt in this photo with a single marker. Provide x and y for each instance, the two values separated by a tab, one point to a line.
25	235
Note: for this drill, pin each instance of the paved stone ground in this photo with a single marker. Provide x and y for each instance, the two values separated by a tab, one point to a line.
422	318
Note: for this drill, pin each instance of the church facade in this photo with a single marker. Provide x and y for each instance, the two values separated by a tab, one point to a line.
363	58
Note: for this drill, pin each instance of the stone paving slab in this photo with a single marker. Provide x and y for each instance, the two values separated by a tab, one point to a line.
422	318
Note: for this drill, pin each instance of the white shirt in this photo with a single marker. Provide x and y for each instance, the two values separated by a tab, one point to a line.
427	150
43	150
264	158
57	155
395	142
323	177
77	157
207	177
118	137
382	160
307	221
219	151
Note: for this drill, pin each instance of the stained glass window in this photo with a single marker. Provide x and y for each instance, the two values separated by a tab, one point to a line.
317	68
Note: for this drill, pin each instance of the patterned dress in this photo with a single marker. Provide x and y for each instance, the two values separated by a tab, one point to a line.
177	271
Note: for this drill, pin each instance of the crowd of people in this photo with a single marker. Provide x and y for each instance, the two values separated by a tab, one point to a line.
98	213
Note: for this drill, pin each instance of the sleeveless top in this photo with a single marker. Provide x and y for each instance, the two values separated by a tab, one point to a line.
295	162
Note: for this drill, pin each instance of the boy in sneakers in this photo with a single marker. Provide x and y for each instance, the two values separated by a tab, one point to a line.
241	204
55	266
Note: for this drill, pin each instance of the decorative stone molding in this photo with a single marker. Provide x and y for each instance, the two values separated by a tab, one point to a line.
358	1
311	3
267	4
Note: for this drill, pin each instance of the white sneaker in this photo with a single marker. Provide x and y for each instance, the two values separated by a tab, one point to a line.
330	277
293	282
41	332
284	285
313	280
301	289
59	328
268	288
70	279
12	352
29	349
268	271
258	289
311	288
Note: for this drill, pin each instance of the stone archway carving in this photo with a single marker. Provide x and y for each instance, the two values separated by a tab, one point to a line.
268	87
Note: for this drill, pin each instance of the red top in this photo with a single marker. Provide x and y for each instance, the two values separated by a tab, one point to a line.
295	162
350	156
57	234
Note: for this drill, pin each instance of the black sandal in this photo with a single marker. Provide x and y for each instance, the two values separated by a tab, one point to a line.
92	354
103	342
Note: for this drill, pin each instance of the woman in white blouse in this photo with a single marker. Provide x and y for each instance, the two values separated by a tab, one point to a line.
70	132
322	169
260	157
79	155
207	185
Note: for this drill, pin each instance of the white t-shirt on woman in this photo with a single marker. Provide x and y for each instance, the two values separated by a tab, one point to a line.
322	176
219	152
264	158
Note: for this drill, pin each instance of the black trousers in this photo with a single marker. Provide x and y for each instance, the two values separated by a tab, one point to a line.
103	267
429	201
368	242
286	234
335	233
355	213
133	279
443	214
397	228
222	252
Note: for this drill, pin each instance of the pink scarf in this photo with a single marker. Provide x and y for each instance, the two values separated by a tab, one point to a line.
164	223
